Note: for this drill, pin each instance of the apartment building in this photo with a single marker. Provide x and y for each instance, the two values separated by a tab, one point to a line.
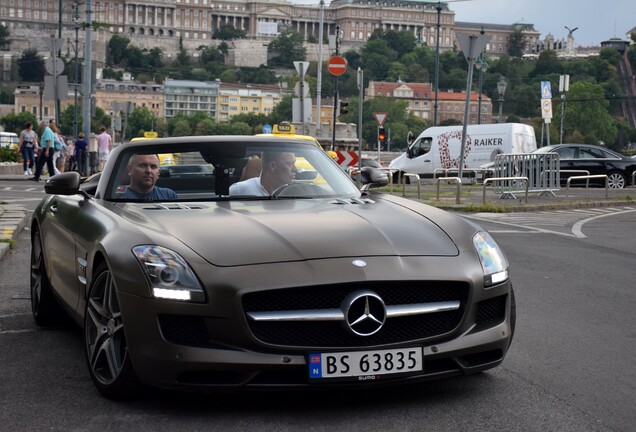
190	97
247	98
110	92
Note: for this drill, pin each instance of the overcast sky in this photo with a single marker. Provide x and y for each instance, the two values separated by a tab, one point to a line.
597	20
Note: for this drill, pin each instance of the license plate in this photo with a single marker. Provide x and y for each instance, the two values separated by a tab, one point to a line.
365	363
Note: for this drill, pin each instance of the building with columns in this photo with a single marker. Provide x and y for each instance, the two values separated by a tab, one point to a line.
196	20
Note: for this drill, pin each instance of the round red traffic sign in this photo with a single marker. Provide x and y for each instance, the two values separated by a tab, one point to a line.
337	65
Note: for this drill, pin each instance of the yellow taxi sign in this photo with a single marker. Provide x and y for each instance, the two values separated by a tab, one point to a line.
284	128
150	135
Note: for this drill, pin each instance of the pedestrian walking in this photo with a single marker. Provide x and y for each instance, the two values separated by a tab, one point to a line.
45	154
104	146
80	153
28	143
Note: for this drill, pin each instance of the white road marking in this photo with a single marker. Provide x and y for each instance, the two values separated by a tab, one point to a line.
557	218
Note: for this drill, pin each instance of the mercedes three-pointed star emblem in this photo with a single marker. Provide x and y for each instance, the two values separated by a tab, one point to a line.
365	312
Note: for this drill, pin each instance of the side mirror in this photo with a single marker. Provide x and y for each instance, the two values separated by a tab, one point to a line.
67	183
410	137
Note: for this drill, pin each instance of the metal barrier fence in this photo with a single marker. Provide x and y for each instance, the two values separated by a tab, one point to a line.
587	182
477	173
496	179
541	170
458	180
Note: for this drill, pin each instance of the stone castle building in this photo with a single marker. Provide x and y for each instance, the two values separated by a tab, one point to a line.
170	24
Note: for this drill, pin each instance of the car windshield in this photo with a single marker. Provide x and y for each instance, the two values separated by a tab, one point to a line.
218	169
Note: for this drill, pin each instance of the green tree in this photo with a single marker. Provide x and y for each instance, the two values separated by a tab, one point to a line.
179	126
15	122
548	63
4	37
139	121
6	96
586	112
283	111
183	58
228	32
118	49
287	48
31	66
67	117
206	126
516	44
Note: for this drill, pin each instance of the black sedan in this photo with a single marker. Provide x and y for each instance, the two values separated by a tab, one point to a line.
575	159
204	277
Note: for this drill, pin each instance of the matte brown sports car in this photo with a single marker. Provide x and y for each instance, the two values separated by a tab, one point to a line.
212	279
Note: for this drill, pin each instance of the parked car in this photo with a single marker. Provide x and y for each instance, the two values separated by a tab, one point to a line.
372	172
316	285
595	160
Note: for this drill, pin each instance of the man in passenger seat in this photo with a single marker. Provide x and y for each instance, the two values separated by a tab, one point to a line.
278	169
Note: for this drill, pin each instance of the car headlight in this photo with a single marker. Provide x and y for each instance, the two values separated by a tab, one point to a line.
493	262
169	275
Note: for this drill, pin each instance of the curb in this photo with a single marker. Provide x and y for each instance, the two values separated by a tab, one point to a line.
13	219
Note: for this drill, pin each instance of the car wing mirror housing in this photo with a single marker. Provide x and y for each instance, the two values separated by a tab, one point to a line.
67	183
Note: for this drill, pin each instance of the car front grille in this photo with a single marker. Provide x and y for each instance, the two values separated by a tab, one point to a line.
335	334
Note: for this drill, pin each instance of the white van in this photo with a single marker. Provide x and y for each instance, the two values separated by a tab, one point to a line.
440	147
9	140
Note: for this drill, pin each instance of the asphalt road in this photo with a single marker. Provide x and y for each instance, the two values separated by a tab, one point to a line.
570	367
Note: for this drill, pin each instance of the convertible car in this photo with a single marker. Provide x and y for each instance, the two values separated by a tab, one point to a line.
316	285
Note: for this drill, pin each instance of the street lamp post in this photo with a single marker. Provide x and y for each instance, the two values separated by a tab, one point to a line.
482	67
76	26
501	89
564	86
437	35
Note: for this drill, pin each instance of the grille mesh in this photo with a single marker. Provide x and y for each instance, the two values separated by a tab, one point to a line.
334	334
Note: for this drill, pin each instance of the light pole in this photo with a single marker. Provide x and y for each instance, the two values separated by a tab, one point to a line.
435	107
564	85
482	67
501	89
76	26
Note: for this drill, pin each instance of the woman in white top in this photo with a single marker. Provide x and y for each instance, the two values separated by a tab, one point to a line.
28	144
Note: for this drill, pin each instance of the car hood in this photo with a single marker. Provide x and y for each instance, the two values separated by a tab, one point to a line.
235	233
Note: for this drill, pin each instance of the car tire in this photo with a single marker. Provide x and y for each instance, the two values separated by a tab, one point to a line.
616	180
44	307
107	354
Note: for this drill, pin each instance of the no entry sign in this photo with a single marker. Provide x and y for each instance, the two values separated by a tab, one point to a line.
337	65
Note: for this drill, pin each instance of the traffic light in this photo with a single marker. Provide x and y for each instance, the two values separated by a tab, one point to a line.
381	134
381	137
344	107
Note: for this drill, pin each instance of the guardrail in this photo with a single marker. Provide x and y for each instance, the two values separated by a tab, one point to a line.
417	180
585	172
476	171
493	179
587	183
449	179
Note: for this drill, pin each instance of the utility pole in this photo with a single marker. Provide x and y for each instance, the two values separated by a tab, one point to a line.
335	95
76	26
86	82
319	72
